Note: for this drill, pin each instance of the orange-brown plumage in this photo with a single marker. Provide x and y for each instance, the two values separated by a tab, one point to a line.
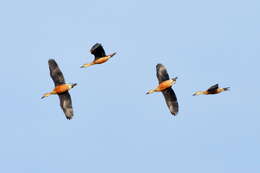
164	85
100	56
61	88
212	90
101	60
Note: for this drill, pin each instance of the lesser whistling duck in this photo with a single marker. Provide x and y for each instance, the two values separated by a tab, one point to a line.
212	90
164	86
100	56
61	89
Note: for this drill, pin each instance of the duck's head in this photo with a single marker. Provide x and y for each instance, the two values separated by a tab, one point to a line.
174	80
72	85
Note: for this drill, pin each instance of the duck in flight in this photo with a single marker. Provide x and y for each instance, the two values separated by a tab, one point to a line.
212	90
165	84
61	89
100	56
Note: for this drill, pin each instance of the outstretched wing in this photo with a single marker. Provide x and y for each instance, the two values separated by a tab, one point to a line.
161	73
98	51
213	88
66	104
171	100
55	73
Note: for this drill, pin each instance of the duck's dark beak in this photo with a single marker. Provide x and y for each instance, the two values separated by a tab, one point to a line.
174	79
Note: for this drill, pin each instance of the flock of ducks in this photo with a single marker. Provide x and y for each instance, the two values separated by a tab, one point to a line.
165	83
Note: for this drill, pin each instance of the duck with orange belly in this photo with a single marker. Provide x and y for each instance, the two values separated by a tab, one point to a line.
61	89
165	84
100	56
212	90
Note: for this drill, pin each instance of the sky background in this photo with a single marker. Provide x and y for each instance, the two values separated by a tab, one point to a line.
116	127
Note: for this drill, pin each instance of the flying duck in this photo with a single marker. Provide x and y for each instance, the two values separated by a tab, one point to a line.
165	84
212	90
61	89
100	56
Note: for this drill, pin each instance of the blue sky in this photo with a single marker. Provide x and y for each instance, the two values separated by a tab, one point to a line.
116	127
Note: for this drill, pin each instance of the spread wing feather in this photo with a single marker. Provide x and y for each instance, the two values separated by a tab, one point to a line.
98	51
171	100
66	104
56	73
213	88
161	73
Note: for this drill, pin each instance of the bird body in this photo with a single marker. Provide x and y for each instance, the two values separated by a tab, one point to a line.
103	59
100	56
59	89
162	86
63	88
212	90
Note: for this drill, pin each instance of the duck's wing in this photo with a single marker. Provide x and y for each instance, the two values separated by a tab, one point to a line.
66	104
98	51
213	88
171	100
161	73
56	73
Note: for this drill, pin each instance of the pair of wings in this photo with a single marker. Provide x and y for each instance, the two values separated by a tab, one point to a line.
58	79
169	95
98	51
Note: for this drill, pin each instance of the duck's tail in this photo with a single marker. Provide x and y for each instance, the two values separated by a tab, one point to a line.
150	91
86	65
46	95
198	93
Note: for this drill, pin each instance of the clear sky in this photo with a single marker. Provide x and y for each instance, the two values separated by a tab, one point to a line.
116	127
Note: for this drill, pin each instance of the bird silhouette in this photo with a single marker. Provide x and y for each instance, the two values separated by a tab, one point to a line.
100	56
61	89
165	84
212	90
